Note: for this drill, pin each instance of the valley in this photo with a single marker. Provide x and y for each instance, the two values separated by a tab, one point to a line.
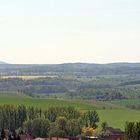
113	90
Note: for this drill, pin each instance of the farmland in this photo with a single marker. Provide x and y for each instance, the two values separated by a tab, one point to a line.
115	117
118	117
129	103
99	88
113	90
23	77
43	103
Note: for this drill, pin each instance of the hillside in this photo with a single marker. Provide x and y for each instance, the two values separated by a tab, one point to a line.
110	114
110	87
71	69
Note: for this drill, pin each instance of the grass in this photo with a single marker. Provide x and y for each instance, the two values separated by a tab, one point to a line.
115	116
127	102
43	103
118	117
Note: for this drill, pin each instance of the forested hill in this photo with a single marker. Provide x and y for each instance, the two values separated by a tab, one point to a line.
69	69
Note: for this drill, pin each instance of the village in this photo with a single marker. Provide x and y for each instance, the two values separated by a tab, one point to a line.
110	134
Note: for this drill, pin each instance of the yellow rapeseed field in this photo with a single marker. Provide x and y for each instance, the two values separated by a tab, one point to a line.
23	77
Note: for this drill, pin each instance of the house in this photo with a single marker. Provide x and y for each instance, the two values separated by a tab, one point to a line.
65	138
91	138
114	134
110	134
26	137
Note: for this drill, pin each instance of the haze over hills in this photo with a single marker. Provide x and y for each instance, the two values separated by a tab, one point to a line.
70	69
79	80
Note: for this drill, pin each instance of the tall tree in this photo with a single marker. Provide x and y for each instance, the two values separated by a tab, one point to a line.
130	131
74	127
137	129
91	119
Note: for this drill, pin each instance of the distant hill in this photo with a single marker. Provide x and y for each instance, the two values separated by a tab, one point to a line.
70	69
72	80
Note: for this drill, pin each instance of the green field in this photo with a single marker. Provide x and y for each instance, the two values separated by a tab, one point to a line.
44	103
127	102
115	117
118	117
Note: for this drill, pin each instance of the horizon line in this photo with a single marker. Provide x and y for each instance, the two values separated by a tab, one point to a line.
119	62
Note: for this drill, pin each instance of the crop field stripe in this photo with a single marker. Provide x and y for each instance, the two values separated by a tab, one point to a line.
114	117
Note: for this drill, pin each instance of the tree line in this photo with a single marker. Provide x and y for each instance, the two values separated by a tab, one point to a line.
132	131
46	122
99	89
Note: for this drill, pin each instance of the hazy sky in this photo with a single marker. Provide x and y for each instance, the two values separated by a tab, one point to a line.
58	31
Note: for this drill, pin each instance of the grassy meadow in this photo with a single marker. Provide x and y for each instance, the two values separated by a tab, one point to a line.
126	102
44	103
118	117
115	116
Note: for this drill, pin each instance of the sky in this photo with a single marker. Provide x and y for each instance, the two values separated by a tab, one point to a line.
68	31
